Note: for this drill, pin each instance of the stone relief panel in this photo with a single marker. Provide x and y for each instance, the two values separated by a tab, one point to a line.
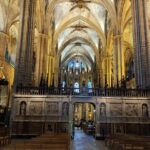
52	108
17	108
131	109
36	108
115	109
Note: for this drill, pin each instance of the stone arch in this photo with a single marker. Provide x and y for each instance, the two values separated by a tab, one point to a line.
2	18
95	27
16	20
91	16
79	38
81	53
83	57
82	34
127	21
107	4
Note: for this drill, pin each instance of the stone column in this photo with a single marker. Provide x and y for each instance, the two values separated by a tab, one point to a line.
100	72
109	74
142	56
45	57
56	71
108	66
3	44
119	64
115	60
71	113
39	62
97	120
24	64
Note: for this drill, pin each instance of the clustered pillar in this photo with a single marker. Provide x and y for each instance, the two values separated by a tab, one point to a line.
141	41
24	72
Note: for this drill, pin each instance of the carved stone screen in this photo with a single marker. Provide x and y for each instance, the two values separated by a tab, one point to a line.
36	108
131	109
52	108
116	109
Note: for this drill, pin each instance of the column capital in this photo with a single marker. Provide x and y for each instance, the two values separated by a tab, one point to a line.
43	35
117	36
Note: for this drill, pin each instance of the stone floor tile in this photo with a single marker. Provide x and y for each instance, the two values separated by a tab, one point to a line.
83	141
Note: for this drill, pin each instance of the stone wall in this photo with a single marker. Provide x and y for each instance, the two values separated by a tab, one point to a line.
113	114
123	116
35	115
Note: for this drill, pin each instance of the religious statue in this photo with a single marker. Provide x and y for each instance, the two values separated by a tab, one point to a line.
65	109
90	86
145	110
102	109
76	87
23	108
63	85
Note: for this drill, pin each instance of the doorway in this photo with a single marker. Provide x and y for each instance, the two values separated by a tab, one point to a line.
84	119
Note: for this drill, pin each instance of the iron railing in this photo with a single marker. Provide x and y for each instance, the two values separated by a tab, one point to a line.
83	91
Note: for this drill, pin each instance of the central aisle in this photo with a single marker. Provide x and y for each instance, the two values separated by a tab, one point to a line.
85	142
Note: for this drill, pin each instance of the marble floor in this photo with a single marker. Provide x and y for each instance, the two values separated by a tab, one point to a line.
84	142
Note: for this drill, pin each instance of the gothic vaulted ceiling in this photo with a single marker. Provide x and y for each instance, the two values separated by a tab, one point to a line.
80	26
77	26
